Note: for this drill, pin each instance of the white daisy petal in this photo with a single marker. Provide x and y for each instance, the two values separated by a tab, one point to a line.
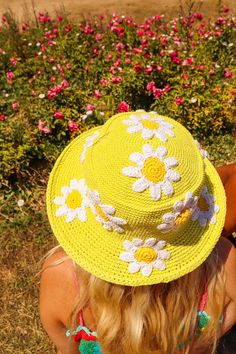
178	206
161	136
128	245
65	190
131	171
147	133
127	257
155	191
213	219
164	228
134	267
202	220
62	210
169	217
71	215
146	270
134	128
59	200
161	152
173	175
119	221
170	162
140	185
147	150
108	209
167	188
163	254
137	242
137	157
160	245
82	214
160	265
128	122
150	242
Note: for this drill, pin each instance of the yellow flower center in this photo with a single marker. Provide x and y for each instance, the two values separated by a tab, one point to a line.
153	169
183	217
202	204
101	213
74	200
145	254
149	124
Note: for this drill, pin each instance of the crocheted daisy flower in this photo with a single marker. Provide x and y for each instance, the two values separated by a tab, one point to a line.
104	213
88	142
150	126
73	201
182	212
144	255
153	170
205	209
203	152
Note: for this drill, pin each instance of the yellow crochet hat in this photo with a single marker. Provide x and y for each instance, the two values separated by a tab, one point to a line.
135	201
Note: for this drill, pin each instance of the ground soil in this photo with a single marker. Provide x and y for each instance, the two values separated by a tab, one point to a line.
140	9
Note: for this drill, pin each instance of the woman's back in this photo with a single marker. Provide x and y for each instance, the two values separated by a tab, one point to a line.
61	284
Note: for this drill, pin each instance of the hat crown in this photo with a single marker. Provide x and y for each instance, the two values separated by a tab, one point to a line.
173	166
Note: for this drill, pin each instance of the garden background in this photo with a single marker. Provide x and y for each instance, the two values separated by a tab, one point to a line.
61	74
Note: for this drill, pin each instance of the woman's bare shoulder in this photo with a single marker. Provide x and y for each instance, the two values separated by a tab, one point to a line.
57	285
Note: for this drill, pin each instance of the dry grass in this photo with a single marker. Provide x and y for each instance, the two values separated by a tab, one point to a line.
25	238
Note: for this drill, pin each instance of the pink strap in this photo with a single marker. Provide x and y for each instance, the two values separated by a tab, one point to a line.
81	320
203	300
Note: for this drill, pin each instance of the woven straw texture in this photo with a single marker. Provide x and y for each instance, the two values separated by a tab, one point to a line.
97	249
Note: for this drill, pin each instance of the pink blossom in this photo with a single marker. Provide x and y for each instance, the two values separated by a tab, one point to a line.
68	28
13	61
59	18
137	67
137	51
187	62
128	61
162	53
55	31
33	93
90	107
150	86
109	56
10	75
72	126
58	115
141	32
228	73
186	86
15	106
68	66
167	88
157	92
172	53
123	107
148	69
48	35
185	76
2	117
43	18
176	60
116	80
103	82
42	128
225	9
159	67
95	51
97	94
220	20
98	37
179	101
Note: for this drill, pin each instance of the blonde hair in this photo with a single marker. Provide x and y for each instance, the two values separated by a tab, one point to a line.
154	319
